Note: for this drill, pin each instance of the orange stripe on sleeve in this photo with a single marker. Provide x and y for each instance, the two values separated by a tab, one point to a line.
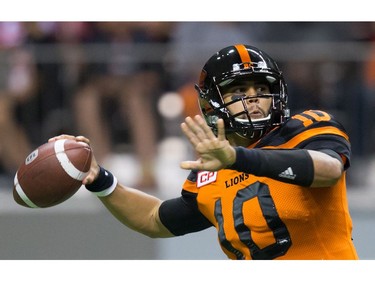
308	134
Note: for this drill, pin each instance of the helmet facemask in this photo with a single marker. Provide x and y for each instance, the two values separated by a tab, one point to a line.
214	107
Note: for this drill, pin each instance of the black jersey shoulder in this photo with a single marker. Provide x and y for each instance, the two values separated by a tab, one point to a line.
315	121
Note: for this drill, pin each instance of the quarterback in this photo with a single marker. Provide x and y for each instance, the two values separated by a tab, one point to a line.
273	185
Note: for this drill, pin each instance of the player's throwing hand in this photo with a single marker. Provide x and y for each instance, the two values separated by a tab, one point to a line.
214	152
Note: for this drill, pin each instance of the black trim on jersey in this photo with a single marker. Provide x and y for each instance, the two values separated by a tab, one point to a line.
333	143
317	112
292	128
193	176
181	215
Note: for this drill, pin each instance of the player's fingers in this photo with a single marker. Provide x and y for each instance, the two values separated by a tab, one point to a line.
93	173
63	136
70	137
191	165
221	130
189	134
205	128
201	129
83	139
195	129
89	179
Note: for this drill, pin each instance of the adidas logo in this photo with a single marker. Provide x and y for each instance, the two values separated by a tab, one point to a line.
288	174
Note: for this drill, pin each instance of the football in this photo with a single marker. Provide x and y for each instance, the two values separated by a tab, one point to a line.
52	173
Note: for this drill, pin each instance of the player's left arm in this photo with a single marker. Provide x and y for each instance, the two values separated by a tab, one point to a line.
304	167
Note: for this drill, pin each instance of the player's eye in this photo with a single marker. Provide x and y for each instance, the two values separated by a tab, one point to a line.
239	90
237	96
261	89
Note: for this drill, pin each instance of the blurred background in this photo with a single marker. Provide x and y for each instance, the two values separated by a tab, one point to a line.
127	86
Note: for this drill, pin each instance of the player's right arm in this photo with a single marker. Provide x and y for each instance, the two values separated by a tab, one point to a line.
145	213
137	210
155	218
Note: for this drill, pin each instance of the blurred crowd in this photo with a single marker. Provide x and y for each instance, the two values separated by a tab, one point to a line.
105	80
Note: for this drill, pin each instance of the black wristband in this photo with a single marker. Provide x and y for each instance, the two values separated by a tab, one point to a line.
287	165
104	184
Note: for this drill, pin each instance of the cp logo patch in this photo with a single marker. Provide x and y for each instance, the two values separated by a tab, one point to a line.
206	177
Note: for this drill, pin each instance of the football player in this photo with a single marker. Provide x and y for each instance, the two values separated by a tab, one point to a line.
273	185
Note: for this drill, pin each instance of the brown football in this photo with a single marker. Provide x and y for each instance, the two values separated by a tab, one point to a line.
52	173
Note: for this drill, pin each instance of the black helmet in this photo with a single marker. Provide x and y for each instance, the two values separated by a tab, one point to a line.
231	65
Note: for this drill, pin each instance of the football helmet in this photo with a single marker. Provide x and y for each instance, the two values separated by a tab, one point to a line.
232	65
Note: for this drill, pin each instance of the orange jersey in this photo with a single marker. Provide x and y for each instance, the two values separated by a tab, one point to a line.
262	218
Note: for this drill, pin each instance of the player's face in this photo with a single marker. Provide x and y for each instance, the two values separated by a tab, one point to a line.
257	105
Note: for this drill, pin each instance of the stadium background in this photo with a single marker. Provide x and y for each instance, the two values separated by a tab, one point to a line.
326	65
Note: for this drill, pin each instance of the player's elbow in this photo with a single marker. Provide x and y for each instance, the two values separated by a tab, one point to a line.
327	173
154	228
160	233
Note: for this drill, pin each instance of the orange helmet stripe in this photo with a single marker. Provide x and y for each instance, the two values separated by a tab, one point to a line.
244	55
